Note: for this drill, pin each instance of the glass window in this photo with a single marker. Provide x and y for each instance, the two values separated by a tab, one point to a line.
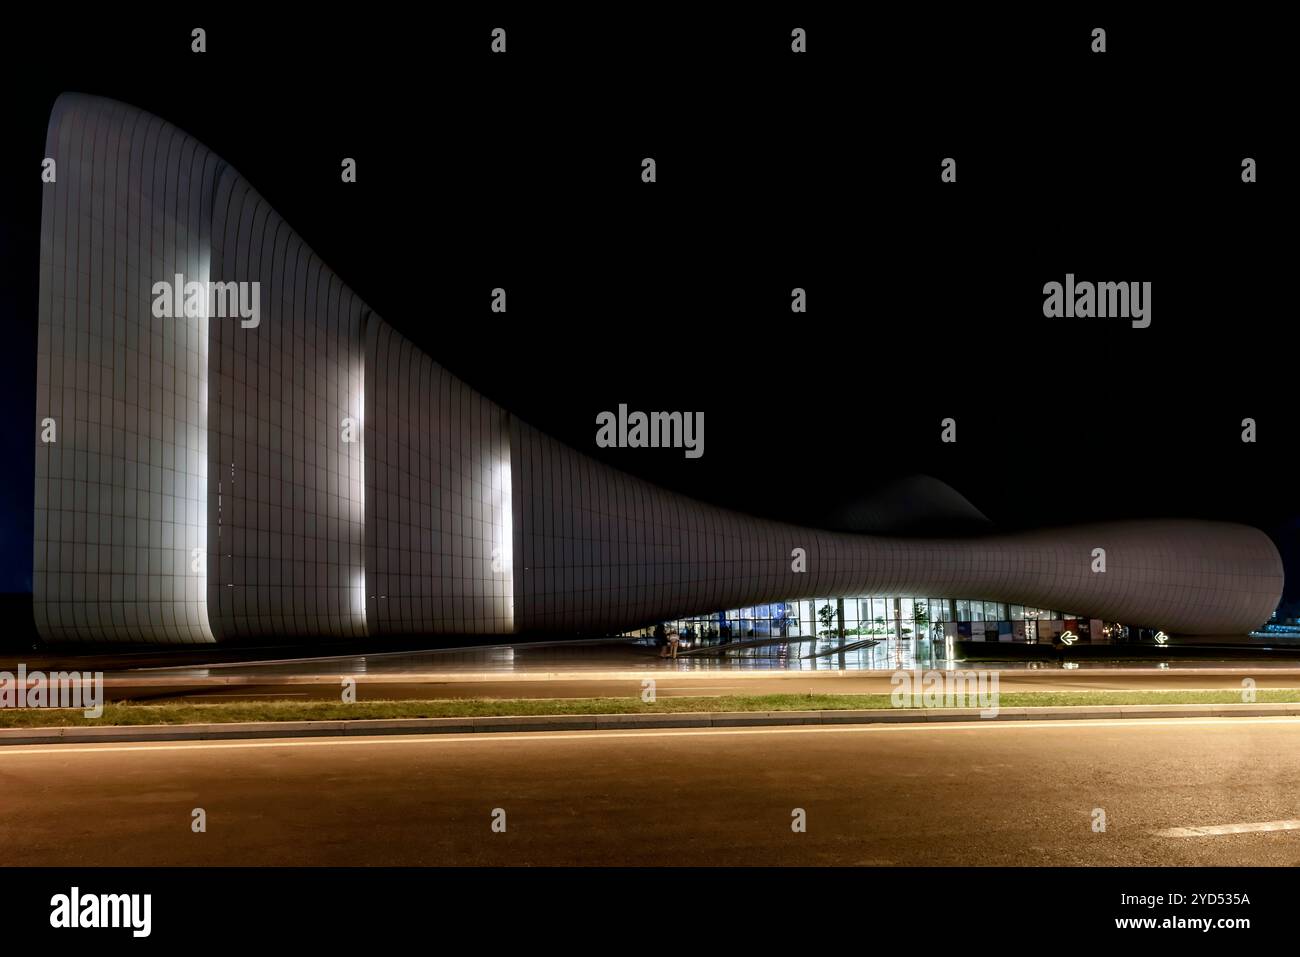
878	612
850	615
808	618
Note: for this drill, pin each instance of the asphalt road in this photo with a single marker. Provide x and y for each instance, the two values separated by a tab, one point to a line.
980	794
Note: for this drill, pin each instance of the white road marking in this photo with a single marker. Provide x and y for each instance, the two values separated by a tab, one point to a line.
488	737
251	694
1213	830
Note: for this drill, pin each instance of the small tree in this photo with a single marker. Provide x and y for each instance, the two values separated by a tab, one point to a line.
921	612
827	614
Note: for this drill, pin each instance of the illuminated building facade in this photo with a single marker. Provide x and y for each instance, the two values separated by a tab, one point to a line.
315	474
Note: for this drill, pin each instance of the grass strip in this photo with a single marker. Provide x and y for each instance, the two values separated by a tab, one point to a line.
127	713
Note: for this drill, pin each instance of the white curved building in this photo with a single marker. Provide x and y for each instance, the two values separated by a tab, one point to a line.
316	474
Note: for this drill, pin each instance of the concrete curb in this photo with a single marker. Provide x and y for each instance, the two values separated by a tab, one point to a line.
611	722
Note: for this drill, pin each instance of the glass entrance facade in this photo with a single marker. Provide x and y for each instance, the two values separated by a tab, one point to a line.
858	616
865	631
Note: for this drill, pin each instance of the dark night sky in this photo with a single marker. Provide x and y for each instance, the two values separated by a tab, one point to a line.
774	171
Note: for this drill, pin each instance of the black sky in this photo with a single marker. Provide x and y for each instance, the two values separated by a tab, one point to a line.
774	171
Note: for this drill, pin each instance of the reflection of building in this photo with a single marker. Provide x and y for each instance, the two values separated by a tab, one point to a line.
318	475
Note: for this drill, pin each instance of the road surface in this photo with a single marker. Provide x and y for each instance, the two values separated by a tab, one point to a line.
978	794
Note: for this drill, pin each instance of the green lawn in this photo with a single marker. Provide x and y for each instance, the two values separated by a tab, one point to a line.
136	714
